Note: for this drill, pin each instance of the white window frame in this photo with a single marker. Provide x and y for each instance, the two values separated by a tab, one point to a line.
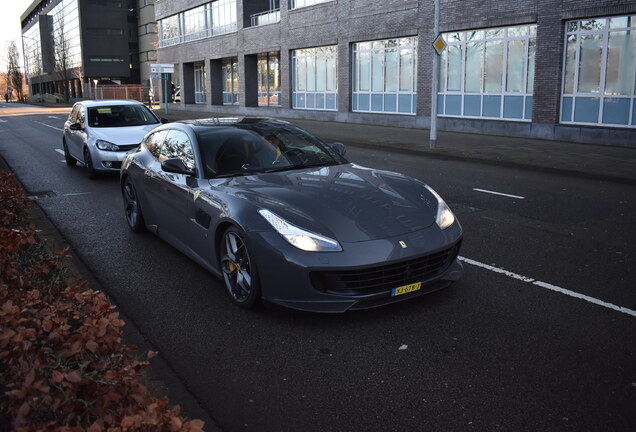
605	32
234	93
324	55
200	93
225	8
527	93
356	50
297	4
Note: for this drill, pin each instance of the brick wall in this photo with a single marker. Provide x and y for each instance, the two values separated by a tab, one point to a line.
344	22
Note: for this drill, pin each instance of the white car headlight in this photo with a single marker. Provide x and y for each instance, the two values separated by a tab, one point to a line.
105	145
300	238
445	216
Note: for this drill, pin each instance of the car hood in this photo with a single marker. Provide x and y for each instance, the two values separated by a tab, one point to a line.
348	202
123	134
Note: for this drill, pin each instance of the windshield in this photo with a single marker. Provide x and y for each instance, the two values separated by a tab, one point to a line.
251	148
120	115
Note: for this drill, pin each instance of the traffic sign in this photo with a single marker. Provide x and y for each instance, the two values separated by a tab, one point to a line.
162	69
439	44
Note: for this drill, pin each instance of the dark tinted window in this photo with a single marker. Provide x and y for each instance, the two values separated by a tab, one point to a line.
120	115
259	147
178	145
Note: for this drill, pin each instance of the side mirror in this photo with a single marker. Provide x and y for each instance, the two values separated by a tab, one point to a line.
175	165
164	120
339	148
76	126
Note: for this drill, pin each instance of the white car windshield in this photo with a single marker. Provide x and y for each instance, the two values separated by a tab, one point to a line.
120	115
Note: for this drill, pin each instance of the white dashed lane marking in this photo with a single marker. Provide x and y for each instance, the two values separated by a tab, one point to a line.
498	193
49	126
550	286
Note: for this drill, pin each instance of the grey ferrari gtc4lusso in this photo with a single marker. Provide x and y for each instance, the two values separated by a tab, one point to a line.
282	217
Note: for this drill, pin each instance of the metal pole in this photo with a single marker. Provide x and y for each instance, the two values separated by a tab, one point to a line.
165	90
433	137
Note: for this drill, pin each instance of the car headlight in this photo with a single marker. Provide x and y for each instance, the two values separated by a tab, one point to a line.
105	145
300	238
445	216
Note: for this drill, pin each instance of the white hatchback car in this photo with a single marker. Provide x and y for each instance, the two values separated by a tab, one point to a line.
100	133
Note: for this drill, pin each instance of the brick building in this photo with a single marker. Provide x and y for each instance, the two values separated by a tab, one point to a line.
538	68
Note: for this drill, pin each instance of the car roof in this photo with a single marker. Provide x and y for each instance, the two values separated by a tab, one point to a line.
109	102
228	121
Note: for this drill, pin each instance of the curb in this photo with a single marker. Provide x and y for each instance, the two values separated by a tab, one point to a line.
493	162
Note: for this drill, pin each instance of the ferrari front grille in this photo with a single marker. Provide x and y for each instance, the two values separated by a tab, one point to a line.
385	277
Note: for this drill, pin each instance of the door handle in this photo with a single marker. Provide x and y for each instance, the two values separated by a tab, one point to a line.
148	173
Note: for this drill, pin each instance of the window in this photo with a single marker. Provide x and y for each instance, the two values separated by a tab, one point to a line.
230	73
210	19
315	81
488	73
169	31
294	4
199	84
385	76
177	145
223	16
599	72
106	59
268	79
195	23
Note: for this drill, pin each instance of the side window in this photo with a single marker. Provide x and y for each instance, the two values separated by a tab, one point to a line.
153	143
178	145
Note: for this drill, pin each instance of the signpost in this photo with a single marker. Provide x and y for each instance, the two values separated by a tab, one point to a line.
439	44
165	70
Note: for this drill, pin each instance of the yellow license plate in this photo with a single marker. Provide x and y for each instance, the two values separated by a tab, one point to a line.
406	289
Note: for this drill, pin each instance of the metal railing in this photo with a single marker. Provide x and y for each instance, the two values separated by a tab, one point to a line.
267	17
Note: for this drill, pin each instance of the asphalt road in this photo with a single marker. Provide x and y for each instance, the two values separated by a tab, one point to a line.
511	347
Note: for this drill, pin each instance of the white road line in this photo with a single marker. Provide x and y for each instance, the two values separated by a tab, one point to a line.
53	117
77	193
549	286
60	151
498	193
2	121
52	127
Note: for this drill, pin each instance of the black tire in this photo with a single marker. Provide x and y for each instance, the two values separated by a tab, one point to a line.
239	269
70	160
134	216
92	174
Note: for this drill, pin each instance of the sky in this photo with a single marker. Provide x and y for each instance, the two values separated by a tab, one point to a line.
10	10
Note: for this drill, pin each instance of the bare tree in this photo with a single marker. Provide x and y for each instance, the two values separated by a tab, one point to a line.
15	78
63	55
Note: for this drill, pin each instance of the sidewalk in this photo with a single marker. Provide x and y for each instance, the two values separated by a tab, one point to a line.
601	162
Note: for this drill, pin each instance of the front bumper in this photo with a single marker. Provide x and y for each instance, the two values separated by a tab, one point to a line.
362	276
107	160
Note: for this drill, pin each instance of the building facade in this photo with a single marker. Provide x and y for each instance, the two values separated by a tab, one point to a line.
69	45
148	40
535	68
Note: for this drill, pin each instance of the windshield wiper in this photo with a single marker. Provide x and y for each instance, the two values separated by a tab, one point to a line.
299	166
234	174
